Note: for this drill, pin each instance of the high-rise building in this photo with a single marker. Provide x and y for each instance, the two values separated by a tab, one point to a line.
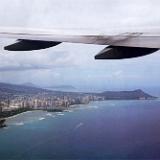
0	107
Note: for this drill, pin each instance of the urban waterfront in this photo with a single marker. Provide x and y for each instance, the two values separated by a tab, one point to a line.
115	129
15	99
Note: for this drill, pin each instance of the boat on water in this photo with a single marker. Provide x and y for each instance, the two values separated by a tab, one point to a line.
2	122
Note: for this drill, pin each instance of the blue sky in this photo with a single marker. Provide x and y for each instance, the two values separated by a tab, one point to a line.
74	64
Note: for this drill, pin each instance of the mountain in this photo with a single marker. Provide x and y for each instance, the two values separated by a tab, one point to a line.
28	84
9	90
136	94
62	87
6	88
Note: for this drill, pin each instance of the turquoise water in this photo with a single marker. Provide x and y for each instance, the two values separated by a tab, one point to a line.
100	130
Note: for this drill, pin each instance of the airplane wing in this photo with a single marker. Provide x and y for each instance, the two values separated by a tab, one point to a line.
119	46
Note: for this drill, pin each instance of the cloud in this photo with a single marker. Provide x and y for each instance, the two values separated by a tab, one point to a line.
118	73
21	68
46	59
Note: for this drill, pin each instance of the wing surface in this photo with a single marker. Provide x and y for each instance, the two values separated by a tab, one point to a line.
129	42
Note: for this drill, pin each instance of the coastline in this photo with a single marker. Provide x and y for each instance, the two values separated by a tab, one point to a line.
18	114
73	106
54	110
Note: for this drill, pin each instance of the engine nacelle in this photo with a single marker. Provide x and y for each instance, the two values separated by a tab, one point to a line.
29	45
118	52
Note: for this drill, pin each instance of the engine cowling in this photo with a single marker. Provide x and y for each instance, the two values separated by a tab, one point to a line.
29	45
119	52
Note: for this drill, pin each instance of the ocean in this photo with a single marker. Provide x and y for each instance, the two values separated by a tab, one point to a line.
99	130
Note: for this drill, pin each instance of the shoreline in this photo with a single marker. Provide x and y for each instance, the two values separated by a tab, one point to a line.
14	116
18	114
62	110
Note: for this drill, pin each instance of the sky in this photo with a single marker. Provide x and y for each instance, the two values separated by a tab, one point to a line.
74	64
